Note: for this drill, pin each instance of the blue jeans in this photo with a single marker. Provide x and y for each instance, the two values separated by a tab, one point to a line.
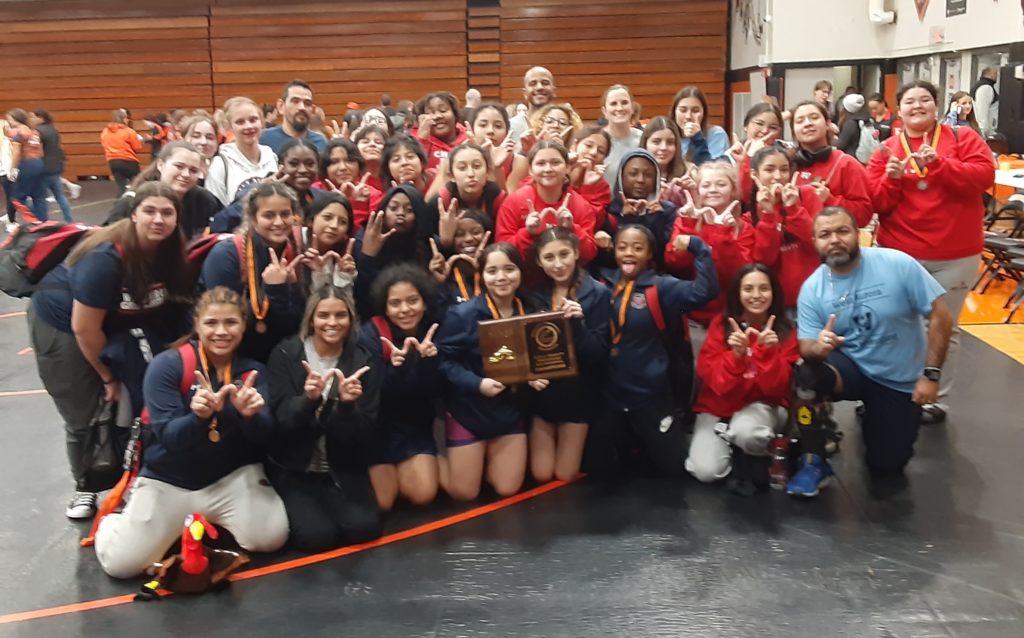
53	183
30	186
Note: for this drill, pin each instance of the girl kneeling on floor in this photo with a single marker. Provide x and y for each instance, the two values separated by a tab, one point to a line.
400	340
203	450
745	366
486	420
325	393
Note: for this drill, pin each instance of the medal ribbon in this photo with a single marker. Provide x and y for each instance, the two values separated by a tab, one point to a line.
225	377
627	292
260	307
460	281
494	309
905	143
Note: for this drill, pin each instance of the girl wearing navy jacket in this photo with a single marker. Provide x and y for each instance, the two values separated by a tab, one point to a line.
400	340
563	410
121	278
638	390
325	395
782	215
203	450
260	263
458	273
745	366
485	423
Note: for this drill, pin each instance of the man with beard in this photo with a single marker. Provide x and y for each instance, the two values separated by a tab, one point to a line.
862	337
538	91
296	106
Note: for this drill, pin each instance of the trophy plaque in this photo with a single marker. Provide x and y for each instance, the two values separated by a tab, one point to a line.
520	349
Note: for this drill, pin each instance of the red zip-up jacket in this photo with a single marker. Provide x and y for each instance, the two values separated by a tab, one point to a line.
944	221
729	252
730	383
794	258
511	223
848	184
437	149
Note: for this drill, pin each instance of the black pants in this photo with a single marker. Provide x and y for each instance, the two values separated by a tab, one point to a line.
322	515
890	423
123	172
653	426
8	187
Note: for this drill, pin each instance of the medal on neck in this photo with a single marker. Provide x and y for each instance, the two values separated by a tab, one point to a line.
921	171
258	302
213	434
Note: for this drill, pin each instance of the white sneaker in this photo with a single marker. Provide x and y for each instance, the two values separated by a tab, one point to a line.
11	227
82	506
74	190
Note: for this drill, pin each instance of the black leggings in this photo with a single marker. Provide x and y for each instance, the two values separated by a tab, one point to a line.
652	425
123	172
322	515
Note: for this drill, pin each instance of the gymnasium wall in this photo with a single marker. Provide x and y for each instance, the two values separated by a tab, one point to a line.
81	59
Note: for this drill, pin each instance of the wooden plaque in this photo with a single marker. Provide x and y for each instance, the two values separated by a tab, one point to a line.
520	349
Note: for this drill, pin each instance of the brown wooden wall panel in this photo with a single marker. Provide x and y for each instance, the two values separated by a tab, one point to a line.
82	58
654	46
346	50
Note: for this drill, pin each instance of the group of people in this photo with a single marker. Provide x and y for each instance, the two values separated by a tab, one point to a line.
298	315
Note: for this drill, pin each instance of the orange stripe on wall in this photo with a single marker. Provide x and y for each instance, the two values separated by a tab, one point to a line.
890	90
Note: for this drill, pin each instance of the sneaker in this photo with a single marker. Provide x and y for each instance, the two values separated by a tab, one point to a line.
933	413
815	473
82	506
11	227
74	191
51	199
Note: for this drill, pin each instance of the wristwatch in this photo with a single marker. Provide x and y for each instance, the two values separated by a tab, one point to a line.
932	374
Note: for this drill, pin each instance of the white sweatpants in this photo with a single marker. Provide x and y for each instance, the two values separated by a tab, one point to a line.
242	502
956	277
751	429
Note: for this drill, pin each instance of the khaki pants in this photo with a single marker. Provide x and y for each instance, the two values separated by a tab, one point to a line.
242	502
956	277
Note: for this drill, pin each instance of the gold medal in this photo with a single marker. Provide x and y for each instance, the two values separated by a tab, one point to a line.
261	327
214	435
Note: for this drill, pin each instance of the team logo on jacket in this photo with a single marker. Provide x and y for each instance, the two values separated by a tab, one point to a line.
638	301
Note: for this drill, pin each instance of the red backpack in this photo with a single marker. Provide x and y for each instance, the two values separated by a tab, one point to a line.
33	250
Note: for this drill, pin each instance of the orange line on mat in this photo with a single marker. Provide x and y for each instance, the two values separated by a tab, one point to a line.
21	393
24	351
12	314
304	561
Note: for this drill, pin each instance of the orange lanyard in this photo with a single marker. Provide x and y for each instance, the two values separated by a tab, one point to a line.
260	307
627	292
225	378
494	309
921	171
460	281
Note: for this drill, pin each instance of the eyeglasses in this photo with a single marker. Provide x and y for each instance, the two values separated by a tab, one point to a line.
560	121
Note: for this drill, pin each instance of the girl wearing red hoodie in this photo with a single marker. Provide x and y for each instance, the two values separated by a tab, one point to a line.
438	128
745	366
762	126
489	127
927	182
838	179
549	200
782	215
715	217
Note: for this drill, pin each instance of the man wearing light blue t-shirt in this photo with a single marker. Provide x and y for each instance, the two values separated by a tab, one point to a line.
862	337
296	107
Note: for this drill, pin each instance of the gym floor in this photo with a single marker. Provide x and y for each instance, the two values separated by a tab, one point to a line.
634	555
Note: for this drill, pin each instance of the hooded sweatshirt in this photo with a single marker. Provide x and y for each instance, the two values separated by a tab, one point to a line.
120	143
231	172
659	223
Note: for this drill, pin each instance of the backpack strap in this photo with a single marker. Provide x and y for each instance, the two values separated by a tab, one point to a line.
188	368
385	331
239	242
654	305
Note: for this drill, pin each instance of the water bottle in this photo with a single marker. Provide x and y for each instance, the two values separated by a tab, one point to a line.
778	473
